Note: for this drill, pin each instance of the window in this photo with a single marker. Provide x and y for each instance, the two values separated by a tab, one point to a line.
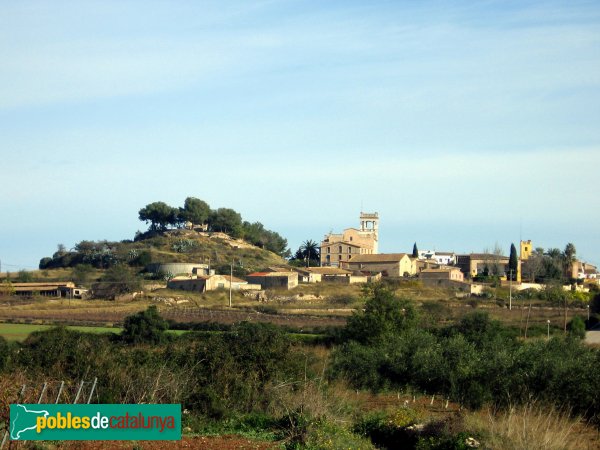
340	257
349	249
328	249
340	249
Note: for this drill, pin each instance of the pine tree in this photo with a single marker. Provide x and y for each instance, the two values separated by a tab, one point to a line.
415	253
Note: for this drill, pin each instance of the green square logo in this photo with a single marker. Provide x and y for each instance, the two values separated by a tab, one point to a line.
95	422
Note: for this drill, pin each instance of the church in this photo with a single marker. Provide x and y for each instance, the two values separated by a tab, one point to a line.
336	248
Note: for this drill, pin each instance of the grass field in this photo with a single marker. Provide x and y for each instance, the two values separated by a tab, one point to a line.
20	331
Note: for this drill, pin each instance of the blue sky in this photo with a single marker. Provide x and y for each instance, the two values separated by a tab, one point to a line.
462	123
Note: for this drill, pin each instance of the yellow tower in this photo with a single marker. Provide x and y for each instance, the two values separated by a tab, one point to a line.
525	253
526	249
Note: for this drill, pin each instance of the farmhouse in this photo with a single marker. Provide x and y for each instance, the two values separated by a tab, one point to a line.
389	264
266	280
444	273
204	283
65	289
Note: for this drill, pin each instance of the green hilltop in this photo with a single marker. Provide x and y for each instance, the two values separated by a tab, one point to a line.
193	233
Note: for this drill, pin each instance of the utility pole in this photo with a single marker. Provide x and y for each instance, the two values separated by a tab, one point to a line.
510	291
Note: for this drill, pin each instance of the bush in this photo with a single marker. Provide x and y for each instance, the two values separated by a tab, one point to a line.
145	327
45	262
393	431
342	299
266	309
4	353
576	327
61	352
322	434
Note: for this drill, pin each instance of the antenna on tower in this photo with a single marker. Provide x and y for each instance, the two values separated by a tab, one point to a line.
520	228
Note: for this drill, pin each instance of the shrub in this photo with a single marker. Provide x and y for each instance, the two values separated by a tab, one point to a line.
146	327
576	327
342	299
324	435
394	431
4	353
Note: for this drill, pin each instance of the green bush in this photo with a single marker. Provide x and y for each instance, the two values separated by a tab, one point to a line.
325	435
390	431
576	328
145	327
4	353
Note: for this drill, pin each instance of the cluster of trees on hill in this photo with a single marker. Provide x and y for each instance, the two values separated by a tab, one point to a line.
161	217
96	254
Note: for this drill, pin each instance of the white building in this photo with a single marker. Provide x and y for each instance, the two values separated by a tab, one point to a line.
441	258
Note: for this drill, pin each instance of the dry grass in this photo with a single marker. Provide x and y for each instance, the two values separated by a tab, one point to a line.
532	427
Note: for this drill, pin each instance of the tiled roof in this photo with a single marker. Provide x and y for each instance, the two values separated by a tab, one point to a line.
486	256
445	270
271	274
327	270
380	257
233	279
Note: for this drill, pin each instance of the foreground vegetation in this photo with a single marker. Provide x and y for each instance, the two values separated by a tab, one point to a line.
258	381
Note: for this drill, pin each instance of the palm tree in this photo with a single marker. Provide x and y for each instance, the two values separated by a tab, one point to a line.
310	251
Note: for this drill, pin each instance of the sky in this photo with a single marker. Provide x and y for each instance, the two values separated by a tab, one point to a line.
463	124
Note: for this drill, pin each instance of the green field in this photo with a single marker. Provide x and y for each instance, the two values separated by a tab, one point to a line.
19	331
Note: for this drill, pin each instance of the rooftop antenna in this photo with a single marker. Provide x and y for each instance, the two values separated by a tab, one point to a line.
520	229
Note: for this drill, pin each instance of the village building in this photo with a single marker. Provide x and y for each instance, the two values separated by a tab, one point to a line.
336	248
65	289
204	283
442	258
176	269
319	274
475	264
389	264
443	273
270	280
422	264
583	271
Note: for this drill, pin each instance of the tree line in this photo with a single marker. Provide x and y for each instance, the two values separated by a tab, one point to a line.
161	217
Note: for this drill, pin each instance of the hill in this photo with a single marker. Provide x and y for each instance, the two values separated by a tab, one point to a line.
218	249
